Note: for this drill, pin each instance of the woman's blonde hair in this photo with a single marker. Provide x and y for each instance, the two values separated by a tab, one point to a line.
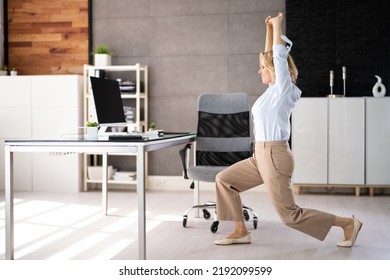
269	64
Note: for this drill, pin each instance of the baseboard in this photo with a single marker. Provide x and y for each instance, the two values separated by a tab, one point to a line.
169	183
174	183
178	183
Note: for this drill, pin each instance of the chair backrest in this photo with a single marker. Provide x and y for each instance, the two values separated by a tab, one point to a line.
223	133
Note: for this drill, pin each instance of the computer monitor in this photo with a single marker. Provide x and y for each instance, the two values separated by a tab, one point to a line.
108	103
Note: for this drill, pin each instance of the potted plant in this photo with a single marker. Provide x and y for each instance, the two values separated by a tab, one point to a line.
13	71
4	71
152	126
92	130
102	55
153	132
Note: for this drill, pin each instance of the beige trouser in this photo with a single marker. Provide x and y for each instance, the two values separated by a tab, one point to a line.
272	164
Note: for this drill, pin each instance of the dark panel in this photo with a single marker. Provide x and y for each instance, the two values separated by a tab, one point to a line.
223	125
330	34
205	158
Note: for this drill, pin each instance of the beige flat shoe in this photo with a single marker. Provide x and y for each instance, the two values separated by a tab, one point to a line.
357	225
230	241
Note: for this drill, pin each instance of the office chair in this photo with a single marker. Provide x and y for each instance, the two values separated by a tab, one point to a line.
223	138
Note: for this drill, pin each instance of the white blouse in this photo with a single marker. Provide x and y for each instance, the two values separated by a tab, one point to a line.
272	110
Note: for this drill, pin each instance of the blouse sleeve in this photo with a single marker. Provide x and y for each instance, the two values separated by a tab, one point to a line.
283	80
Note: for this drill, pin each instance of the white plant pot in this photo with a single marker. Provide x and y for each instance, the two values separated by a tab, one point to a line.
14	73
102	60
92	133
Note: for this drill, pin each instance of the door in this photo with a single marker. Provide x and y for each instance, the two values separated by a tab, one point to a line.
346	147
309	141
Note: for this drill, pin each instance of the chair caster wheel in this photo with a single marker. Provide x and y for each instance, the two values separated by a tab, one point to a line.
255	222
214	227
246	215
206	214
185	220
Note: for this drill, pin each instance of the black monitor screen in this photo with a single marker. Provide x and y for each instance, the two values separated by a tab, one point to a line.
108	101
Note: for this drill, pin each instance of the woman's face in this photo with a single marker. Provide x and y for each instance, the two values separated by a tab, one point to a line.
264	72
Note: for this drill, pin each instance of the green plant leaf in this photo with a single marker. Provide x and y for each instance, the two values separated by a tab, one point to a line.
92	124
101	49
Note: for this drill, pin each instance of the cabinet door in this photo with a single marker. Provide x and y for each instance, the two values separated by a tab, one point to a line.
15	123
309	141
57	91
346	141
56	111
378	141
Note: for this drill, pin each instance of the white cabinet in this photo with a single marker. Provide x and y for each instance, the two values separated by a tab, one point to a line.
138	100
346	141
310	141
328	142
42	107
378	142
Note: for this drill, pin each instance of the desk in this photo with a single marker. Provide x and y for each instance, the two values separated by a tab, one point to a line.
135	148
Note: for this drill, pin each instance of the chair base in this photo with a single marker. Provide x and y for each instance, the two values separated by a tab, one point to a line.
214	226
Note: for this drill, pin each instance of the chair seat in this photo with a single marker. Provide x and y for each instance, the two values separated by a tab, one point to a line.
204	173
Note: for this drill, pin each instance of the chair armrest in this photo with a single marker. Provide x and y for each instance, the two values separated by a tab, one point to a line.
183	156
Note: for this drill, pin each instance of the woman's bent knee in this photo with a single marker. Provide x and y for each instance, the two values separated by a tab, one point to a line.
220	177
288	218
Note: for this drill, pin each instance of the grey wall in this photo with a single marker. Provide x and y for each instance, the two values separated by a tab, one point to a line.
191	47
1	34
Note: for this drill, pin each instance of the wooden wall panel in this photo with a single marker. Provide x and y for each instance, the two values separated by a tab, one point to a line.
48	37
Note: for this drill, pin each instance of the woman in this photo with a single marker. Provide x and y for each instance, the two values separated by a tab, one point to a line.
272	162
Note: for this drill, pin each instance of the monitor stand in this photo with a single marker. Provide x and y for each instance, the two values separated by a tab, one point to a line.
115	130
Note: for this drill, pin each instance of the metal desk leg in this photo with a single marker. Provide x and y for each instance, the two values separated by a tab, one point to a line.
141	203
9	204
104	184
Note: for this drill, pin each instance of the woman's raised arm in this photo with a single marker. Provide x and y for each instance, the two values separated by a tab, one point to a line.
276	23
268	35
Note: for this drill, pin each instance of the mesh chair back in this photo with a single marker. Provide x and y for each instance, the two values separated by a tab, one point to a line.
223	133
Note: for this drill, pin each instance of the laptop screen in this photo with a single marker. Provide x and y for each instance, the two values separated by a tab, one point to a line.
108	102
